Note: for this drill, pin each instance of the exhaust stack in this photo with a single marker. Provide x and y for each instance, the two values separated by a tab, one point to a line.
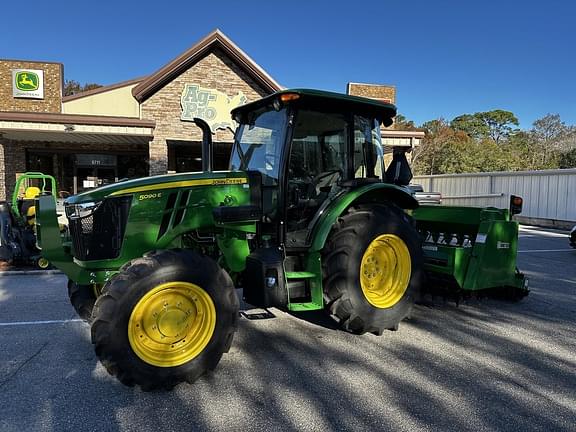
207	148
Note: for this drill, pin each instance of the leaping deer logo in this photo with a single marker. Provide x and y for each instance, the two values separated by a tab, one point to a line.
24	80
27	81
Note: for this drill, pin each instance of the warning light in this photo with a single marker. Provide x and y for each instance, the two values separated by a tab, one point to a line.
515	205
287	97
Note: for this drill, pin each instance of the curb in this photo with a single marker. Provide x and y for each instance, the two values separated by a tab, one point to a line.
29	272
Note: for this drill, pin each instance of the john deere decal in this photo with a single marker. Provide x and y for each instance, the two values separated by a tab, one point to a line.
28	83
210	105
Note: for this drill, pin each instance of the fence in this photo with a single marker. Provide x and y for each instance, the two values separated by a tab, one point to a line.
548	194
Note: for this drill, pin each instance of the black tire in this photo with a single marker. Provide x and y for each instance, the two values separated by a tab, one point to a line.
82	298
122	294
341	262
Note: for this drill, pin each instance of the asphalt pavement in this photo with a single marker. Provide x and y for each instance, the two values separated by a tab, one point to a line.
482	365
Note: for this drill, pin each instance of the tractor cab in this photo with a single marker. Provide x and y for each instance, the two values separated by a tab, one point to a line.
310	147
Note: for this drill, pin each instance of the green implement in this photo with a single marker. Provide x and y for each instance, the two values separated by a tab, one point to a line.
470	249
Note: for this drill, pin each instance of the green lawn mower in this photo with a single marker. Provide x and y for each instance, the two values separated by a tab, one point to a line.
18	244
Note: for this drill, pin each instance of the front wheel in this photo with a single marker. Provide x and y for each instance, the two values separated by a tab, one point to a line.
372	266
82	298
165	318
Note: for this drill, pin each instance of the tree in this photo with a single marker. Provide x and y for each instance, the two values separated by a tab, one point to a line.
567	159
72	87
495	124
549	128
525	151
402	123
499	123
552	137
470	124
474	143
443	149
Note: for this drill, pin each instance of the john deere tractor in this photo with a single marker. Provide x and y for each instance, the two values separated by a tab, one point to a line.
306	218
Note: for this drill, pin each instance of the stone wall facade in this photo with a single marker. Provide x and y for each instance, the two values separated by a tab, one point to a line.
216	71
53	75
374	91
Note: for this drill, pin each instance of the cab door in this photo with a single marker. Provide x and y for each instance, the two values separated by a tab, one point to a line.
317	164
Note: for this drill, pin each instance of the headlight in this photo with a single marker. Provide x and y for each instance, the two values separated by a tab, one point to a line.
82	210
573	230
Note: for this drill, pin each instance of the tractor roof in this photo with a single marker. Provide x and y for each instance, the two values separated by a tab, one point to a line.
329	101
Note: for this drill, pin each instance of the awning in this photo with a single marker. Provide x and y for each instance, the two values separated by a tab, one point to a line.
398	138
70	128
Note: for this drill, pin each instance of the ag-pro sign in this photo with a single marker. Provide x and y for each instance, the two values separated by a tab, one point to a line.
210	105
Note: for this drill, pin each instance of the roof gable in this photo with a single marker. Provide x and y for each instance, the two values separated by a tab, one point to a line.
215	39
102	89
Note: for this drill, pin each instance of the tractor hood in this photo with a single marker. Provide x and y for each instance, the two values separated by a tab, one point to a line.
158	183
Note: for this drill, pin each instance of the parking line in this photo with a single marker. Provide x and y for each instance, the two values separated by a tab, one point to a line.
546	250
26	323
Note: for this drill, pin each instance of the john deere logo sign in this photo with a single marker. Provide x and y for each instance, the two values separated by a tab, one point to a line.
210	105
28	83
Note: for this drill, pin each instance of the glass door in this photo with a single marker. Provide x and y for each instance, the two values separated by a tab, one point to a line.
106	176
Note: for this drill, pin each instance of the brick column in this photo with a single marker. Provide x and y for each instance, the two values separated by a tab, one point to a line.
2	170
158	153
14	163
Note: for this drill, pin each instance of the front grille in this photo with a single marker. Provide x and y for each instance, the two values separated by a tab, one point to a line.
99	235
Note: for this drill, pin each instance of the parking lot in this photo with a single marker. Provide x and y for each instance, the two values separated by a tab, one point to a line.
482	365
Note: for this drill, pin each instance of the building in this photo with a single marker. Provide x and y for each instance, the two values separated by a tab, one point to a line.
392	137
130	129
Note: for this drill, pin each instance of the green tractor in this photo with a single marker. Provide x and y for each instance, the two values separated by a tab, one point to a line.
305	219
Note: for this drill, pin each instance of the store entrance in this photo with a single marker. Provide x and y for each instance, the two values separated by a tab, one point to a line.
94	170
79	172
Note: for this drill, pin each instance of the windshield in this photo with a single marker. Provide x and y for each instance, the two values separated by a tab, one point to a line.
258	144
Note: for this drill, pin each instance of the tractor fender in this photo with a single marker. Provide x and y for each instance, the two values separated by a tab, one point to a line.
374	193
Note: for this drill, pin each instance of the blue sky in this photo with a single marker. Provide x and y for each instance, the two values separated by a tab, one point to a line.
446	58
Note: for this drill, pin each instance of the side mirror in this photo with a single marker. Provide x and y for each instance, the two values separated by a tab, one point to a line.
515	205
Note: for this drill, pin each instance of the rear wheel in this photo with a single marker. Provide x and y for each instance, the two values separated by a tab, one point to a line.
372	265
164	319
82	298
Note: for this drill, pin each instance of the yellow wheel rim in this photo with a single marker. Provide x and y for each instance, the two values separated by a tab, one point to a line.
172	324
385	271
43	263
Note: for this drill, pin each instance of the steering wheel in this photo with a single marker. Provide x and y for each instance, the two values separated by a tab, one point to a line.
325	175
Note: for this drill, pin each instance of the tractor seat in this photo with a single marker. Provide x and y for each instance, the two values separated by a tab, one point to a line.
26	204
399	172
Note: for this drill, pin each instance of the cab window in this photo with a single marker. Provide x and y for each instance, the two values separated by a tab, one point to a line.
368	155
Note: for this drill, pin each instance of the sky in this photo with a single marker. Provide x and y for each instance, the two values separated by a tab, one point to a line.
446	58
